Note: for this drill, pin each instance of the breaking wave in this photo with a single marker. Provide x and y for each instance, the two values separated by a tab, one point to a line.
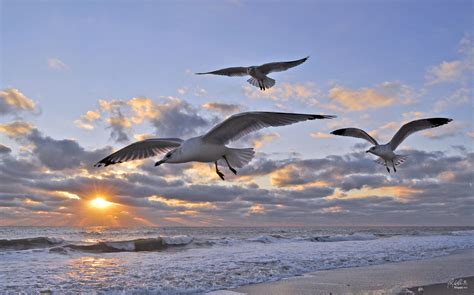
162	243
29	243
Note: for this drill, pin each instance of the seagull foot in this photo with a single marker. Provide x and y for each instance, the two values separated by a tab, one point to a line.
388	170
221	175
233	170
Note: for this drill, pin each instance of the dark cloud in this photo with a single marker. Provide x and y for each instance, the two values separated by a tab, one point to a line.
119	126
4	149
63	154
178	118
304	191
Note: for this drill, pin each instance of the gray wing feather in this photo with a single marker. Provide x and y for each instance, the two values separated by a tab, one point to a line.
235	71
280	66
242	124
355	132
414	126
140	150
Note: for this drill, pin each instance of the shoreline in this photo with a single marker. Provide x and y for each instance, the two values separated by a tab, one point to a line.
407	277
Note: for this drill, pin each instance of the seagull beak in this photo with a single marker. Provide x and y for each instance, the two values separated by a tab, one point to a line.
159	163
367	151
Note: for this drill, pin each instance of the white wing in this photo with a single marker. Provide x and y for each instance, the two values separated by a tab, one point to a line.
235	71
280	66
355	132
140	150
242	124
415	126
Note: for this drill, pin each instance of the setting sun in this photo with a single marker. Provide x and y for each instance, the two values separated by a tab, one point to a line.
100	203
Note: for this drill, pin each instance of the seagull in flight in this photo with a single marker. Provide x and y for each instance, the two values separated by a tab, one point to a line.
210	147
386	151
258	73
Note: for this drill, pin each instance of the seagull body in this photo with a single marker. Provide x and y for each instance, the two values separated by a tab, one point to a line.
258	74
210	147
386	152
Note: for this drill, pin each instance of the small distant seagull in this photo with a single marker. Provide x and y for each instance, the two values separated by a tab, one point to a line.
209	147
258	73
386	151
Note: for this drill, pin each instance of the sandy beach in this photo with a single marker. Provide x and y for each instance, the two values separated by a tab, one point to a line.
429	276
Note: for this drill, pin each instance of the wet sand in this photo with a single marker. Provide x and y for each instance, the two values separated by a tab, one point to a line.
430	276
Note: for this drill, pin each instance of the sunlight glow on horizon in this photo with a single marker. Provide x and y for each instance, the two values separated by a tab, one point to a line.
100	203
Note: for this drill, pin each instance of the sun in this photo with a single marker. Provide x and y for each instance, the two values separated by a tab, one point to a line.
100	203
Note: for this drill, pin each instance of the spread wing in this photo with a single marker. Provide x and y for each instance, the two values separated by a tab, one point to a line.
414	126
140	150
235	71
242	124
280	66
355	132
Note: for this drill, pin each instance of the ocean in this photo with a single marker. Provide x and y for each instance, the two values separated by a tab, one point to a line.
199	259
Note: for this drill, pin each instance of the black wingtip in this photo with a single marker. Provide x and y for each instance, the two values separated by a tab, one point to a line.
314	117
338	132
439	121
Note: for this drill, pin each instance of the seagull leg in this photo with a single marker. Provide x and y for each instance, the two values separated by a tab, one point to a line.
230	167
393	165
386	166
221	175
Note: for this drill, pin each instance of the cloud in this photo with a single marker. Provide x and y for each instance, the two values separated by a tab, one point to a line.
4	149
320	135
119	124
445	72
12	101
458	98
56	64
352	186
455	70
178	118
16	129
223	108
383	95
306	93
171	117
63	154
86	121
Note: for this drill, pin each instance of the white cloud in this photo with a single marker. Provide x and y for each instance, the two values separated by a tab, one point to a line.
382	95
445	72
12	101
455	70
56	64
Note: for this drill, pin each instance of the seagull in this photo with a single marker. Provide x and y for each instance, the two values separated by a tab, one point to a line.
258	73
386	151
210	147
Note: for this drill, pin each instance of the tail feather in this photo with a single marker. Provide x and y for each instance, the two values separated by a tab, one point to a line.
266	83
398	160
238	158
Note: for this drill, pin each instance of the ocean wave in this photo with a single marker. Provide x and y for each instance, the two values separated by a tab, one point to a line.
463	233
148	244
346	237
29	243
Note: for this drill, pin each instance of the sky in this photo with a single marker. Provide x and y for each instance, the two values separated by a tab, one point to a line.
81	79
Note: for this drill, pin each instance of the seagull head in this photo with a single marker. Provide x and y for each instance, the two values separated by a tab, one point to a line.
251	70
371	150
168	156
